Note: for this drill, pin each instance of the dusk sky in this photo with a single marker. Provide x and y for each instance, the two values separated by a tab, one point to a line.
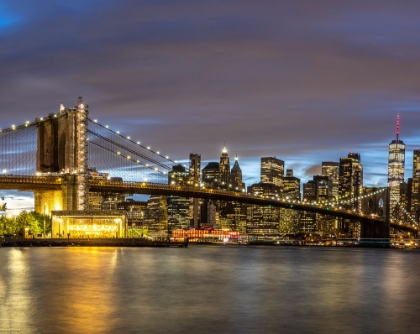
305	81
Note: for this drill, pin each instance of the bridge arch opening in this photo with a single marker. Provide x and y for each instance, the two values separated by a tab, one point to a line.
381	207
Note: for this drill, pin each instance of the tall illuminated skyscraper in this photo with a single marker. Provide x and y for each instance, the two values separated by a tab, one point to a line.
330	169
350	184
261	219
350	188
177	207
415	185
272	171
236	177
194	179
224	169
396	162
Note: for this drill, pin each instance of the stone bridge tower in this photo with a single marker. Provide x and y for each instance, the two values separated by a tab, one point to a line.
62	149
376	202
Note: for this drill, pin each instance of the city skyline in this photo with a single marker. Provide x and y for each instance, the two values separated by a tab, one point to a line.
306	83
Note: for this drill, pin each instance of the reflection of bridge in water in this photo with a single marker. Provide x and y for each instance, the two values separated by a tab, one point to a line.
51	155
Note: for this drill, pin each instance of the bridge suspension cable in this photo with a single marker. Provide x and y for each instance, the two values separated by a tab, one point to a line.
18	147
120	156
404	212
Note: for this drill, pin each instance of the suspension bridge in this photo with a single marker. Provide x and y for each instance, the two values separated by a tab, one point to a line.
54	157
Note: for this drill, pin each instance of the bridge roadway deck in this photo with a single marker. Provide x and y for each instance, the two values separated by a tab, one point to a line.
54	182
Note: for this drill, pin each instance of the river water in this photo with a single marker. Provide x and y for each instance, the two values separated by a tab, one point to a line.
209	289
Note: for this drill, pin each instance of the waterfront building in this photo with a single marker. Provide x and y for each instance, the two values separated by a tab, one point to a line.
156	216
396	162
135	211
88	224
307	222
263	219
208	213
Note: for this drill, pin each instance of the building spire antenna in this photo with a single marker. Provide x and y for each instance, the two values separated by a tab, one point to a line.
224	146
398	126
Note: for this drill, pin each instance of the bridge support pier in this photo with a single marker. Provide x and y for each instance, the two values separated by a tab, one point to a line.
55	200
62	148
374	230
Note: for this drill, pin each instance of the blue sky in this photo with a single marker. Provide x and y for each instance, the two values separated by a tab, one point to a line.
305	81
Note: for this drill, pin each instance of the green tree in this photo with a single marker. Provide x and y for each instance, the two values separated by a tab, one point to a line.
31	220
39	218
3	225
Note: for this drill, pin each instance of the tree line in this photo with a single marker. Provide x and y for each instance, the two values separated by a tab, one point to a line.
31	221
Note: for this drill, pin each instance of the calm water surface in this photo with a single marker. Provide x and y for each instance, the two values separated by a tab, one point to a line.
209	289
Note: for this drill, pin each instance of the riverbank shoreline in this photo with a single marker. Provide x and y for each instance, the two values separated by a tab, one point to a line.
126	242
183	243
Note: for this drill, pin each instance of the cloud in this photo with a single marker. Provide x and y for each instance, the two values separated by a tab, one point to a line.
306	82
313	170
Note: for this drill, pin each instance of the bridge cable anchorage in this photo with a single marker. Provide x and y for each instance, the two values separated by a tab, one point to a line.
132	141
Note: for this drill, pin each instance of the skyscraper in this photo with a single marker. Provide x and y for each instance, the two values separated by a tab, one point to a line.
208	210
272	171
211	176
262	219
396	162
194	179
318	189
289	221
177	207
351	180
224	169
236	177
330	169
291	186
415	193
351	188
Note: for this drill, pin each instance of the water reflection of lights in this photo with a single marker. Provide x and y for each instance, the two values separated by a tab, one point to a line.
16	305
